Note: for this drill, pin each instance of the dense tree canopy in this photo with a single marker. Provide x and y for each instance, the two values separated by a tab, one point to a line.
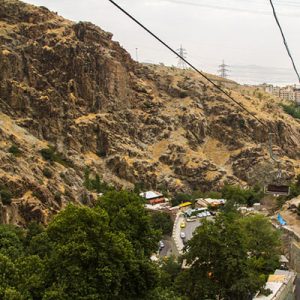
84	253
104	252
236	195
230	258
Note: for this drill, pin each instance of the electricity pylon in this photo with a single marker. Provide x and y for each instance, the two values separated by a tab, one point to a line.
223	71
181	63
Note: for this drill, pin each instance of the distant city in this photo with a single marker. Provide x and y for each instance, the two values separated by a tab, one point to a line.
289	92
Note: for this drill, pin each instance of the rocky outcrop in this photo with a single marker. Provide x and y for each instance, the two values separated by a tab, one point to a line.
70	86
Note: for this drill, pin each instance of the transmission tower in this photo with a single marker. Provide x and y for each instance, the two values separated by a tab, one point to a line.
223	71
182	52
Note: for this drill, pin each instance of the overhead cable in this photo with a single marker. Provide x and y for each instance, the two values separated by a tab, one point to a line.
284	40
188	63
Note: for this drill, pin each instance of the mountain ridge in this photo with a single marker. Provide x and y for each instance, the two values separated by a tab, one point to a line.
69	86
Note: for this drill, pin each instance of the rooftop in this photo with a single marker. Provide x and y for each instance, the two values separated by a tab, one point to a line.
275	283
151	195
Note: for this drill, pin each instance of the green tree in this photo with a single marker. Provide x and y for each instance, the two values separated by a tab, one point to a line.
236	195
127	215
170	268
181	198
92	260
11	241
162	221
229	258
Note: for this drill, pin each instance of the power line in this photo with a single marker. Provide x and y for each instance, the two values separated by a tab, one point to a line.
284	40
231	8
187	62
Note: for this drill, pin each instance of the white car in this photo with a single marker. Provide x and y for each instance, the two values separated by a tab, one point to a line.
182	235
161	244
191	220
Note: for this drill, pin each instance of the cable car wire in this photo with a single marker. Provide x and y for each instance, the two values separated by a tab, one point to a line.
284	40
188	63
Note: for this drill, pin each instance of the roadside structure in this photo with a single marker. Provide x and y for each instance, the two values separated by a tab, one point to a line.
281	284
208	202
153	197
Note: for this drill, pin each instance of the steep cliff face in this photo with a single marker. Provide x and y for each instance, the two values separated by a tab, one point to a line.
70	86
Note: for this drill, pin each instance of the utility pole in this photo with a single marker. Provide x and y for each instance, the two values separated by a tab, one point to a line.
223	71
181	63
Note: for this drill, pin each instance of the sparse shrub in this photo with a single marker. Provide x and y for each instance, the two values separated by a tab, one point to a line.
101	153
47	173
5	196
95	183
292	109
35	194
68	194
57	196
50	154
15	150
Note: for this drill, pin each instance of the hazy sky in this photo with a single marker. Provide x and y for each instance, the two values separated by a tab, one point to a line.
242	32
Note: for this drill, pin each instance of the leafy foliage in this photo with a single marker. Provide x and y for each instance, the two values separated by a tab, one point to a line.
181	198
84	253
162	221
47	172
104	253
237	195
5	196
292	109
14	149
229	258
50	154
95	183
127	215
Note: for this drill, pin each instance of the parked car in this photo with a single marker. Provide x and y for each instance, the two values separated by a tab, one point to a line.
161	245
191	220
182	235
182	224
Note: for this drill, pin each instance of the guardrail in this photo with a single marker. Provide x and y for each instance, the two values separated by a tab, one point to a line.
176	233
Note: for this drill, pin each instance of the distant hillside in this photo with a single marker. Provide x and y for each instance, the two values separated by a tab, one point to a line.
69	86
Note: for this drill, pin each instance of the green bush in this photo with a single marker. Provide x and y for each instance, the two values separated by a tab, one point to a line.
292	109
47	172
50	154
235	194
162	221
6	196
15	150
181	198
95	183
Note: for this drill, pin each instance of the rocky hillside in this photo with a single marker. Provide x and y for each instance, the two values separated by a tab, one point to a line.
71	98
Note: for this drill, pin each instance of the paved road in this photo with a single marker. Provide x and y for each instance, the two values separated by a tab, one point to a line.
169	249
191	227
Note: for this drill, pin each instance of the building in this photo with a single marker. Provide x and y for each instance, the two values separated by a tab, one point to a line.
297	93
208	202
282	286
287	93
153	197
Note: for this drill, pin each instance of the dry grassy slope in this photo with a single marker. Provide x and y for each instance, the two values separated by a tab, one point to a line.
71	86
